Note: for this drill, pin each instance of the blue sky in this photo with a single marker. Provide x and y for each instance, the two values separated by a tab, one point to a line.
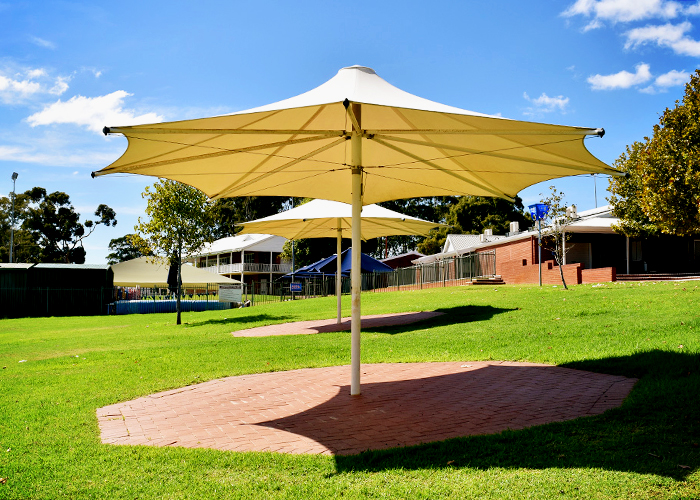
69	68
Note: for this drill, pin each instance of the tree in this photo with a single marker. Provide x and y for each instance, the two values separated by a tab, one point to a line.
180	223
227	212
127	247
55	225
25	246
473	214
554	226
433	209
661	193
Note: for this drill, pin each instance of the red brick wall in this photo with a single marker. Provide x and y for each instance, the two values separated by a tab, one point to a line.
516	262
550	274
510	258
598	275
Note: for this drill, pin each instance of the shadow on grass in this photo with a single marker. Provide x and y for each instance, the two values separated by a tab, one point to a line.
656	430
450	316
240	320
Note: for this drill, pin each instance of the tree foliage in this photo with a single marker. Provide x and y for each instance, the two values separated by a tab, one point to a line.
433	209
661	193
25	246
128	247
473	214
180	221
227	212
54	224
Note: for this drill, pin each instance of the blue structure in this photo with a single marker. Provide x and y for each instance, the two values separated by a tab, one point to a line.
328	267
538	211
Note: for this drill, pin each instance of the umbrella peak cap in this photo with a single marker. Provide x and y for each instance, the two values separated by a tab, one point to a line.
357	67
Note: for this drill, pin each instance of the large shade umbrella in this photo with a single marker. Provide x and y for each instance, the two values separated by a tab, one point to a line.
359	140
333	219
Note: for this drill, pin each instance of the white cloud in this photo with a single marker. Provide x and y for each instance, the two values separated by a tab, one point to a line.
672	79
624	11
36	73
17	90
621	80
92	113
60	86
20	86
668	35
42	43
546	104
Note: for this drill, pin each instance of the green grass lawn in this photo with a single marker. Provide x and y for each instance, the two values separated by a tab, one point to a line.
55	373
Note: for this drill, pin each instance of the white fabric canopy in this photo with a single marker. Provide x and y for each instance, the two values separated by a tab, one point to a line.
410	147
143	272
323	219
357	139
333	219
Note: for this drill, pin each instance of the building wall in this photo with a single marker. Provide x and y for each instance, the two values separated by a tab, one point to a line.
516	262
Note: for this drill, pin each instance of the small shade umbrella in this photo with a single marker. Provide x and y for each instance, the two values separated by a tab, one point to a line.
333	219
359	140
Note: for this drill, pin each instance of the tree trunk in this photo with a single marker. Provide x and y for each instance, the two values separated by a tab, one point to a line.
179	282
561	269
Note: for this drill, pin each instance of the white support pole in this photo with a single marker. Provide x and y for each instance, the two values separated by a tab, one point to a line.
627	251
355	274
338	272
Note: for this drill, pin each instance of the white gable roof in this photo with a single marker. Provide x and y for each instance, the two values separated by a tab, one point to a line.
247	242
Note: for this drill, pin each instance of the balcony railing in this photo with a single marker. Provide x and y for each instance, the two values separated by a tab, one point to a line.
250	267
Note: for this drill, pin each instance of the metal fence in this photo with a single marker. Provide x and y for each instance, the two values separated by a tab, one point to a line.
447	272
46	301
451	271
138	300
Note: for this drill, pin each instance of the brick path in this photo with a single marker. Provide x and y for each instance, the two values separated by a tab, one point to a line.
311	410
331	325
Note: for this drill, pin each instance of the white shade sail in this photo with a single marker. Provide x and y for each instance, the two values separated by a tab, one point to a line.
153	272
356	139
410	147
323	219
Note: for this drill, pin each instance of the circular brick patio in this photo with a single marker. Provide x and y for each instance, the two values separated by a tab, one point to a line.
402	404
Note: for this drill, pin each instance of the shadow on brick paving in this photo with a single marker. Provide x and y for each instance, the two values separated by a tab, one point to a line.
656	430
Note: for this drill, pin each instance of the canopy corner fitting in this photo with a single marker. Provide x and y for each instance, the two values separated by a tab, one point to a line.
105	130
600	132
346	103
92	174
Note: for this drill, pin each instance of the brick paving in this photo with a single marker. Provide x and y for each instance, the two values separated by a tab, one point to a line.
311	411
331	325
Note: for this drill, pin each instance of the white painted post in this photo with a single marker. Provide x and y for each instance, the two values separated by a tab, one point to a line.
243	267
338	274
627	250
355	273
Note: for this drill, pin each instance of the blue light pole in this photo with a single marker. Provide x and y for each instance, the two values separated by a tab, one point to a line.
539	211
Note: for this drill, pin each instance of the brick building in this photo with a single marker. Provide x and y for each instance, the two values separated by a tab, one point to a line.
595	253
